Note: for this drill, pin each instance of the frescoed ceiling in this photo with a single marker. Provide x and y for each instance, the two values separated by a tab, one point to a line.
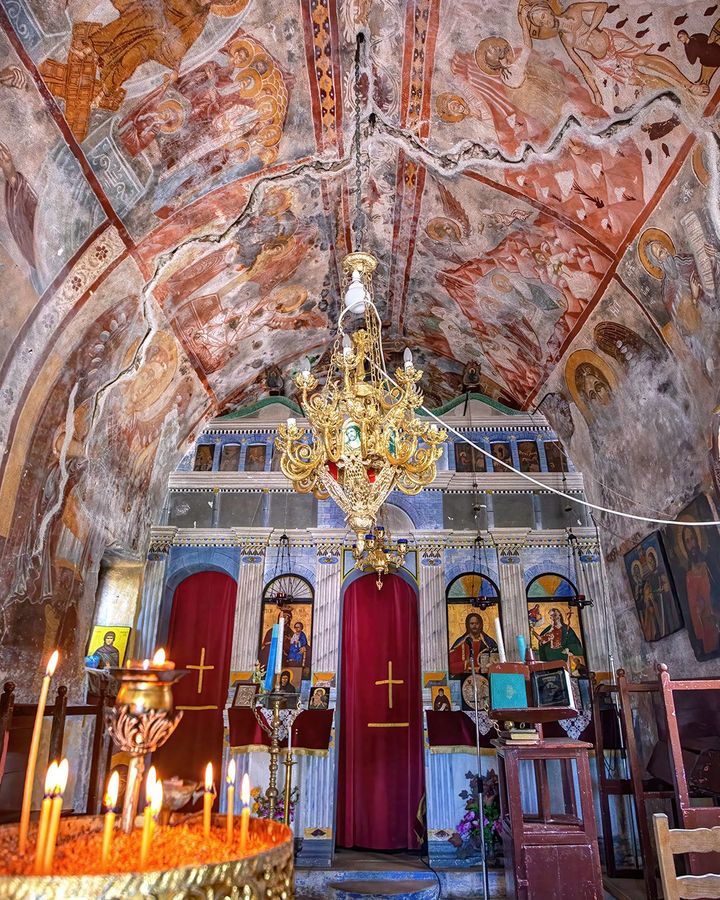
510	157
178	192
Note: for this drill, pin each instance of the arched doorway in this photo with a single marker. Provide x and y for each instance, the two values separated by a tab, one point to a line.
380	768
200	640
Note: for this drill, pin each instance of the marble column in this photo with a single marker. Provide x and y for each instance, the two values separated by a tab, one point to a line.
431	598
161	538
513	599
598	620
248	605
326	611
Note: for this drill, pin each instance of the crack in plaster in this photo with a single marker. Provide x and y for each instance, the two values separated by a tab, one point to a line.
466	154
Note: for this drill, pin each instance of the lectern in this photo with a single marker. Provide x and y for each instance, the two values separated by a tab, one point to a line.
546	806
548	829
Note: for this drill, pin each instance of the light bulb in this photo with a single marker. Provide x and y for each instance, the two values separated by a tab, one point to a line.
291	422
407	358
356	295
347	345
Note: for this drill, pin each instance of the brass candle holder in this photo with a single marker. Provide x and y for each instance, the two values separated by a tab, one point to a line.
277	729
142	719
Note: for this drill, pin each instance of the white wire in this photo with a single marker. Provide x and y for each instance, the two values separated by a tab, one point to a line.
552	490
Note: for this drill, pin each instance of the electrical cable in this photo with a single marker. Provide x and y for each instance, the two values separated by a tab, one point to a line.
552	490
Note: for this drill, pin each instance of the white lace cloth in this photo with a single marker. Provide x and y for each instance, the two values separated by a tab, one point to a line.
575	727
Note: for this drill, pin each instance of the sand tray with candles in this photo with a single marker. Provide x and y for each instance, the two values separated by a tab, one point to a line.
180	861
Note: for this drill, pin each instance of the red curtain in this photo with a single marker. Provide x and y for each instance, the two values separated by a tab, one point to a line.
381	772
200	638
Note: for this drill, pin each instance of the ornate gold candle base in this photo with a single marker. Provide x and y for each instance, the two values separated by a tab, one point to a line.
265	875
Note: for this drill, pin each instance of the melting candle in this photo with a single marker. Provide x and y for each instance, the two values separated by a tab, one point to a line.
32	755
50	781
55	810
147	830
111	796
230	800
207	799
245	814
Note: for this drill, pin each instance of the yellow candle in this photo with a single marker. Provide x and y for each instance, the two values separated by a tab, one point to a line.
110	800
32	756
230	800
208	799
50	781
54	823
245	815
147	830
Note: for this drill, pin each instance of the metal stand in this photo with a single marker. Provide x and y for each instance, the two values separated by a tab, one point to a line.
273	729
289	763
481	798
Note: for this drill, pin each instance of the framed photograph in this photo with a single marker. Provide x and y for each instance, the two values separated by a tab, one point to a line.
552	687
693	556
441	699
652	589
108	645
319	697
244	694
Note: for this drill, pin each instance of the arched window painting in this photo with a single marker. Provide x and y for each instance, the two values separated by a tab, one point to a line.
288	599
472	607
555	627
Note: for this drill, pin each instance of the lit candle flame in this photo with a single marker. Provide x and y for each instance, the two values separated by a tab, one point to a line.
146	664
150	783
156	800
231	772
62	777
208	777
159	657
245	789
51	778
52	664
111	794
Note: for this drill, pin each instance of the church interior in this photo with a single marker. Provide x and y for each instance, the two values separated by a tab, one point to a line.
360	449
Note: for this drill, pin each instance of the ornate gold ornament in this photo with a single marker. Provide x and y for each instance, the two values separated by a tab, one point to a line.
380	553
365	439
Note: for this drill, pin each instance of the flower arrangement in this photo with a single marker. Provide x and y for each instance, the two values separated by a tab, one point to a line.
261	804
468	837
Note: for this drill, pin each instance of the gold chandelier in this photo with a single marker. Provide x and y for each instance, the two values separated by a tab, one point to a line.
365	439
379	553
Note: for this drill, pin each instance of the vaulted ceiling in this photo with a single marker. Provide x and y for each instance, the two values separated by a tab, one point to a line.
539	185
512	158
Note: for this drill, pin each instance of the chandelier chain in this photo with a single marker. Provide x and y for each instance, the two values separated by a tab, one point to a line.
359	222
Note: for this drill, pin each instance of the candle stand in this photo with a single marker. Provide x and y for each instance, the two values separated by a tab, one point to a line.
142	719
277	725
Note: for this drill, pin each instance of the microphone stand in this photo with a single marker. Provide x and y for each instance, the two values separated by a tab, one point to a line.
478	759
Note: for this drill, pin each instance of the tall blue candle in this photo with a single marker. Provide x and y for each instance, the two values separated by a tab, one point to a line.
521	646
272	658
